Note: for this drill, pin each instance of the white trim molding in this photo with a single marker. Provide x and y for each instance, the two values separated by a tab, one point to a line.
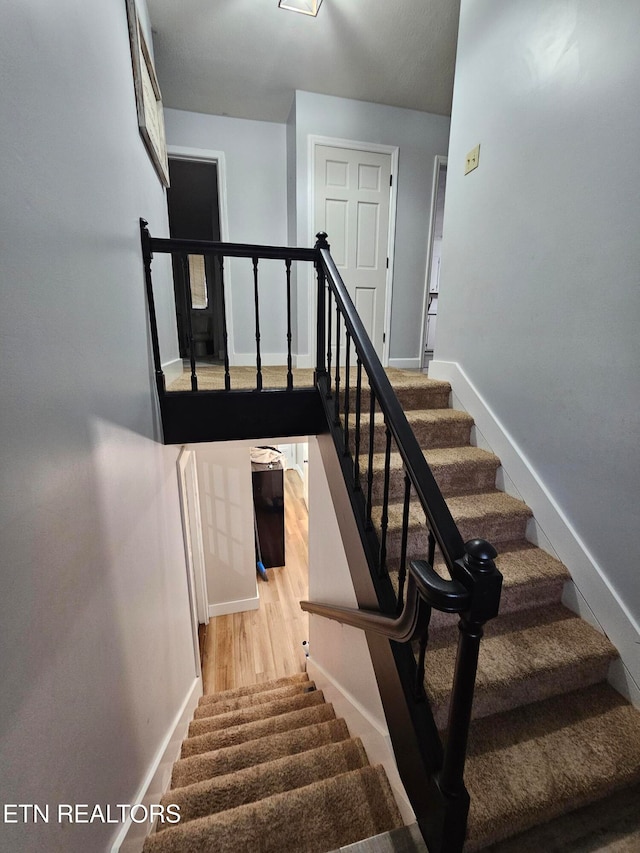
131	836
594	598
375	739
353	145
405	363
226	607
172	370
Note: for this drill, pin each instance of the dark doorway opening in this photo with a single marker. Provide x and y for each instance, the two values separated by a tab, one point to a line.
194	212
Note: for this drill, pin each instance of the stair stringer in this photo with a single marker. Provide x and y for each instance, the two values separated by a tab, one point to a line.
589	592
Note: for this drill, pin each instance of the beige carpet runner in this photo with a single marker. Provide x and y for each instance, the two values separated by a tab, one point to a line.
269	768
549	734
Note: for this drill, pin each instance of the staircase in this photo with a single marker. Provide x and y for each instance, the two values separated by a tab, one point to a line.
549	734
270	768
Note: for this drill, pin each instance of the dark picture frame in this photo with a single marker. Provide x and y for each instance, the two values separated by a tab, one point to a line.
148	96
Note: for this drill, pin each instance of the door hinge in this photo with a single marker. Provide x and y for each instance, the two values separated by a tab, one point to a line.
390	180
384	337
387	263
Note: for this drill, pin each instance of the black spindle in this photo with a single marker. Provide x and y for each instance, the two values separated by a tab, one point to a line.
153	322
329	306
257	311
372	415
384	522
347	367
431	551
321	243
418	686
402	573
225	340
336	390
187	290
289	371
356	458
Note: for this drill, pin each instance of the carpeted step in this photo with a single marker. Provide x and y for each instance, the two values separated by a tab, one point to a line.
210	709
457	470
315	818
413	390
524	657
256	729
263	780
258	687
217	722
531	764
431	427
489	515
196	768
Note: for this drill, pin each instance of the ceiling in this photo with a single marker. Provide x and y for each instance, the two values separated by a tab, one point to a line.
245	58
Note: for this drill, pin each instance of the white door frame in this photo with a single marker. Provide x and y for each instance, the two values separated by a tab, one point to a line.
193	548
439	160
352	145
206	155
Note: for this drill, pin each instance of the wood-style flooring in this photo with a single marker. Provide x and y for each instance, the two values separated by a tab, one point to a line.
258	645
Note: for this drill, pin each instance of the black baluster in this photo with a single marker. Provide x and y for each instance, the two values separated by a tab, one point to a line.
257	310
187	290
384	521
356	459
431	551
372	415
329	306
484	582
289	371
418	685
227	376
402	574
347	367
336	390
321	243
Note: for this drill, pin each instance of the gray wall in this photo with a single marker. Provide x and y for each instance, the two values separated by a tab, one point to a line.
97	654
256	187
540	296
420	137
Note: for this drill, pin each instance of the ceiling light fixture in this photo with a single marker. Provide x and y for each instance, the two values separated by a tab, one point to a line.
306	7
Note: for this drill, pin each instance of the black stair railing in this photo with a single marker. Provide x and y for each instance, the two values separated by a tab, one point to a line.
473	588
353	399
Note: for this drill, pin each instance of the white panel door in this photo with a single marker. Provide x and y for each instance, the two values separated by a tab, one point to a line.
352	203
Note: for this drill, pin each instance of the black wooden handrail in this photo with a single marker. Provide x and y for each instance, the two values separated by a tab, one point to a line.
230	250
441	521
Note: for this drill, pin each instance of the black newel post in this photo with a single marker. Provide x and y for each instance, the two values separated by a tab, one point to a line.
479	574
147	255
321	243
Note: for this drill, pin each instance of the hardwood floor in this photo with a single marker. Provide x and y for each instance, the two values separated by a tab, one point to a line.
246	648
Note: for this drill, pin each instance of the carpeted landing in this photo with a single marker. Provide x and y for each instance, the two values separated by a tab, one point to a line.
549	734
270	768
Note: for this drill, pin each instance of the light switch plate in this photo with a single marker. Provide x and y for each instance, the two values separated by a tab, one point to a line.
473	159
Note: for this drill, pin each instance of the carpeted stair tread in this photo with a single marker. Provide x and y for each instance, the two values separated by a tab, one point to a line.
258	687
219	762
263	780
256	729
413	390
458	470
494	516
211	709
524	658
217	722
531	764
322	816
431	427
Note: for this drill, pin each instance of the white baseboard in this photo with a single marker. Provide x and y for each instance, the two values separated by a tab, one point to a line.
172	370
131	836
304	360
360	723
552	529
239	606
406	363
248	359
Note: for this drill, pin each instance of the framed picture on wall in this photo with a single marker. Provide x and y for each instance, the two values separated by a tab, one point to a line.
148	97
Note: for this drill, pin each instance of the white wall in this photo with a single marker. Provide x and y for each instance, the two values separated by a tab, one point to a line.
256	188
226	502
420	137
97	655
540	296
